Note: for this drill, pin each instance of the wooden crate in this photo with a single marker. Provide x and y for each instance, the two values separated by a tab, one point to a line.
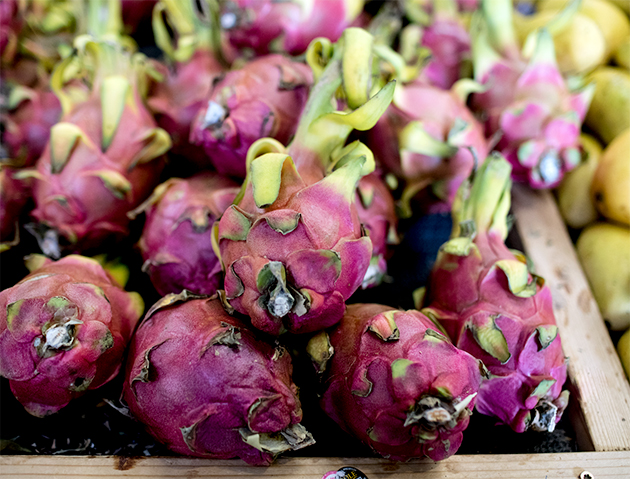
599	410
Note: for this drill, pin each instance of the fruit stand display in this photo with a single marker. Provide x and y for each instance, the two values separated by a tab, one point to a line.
309	241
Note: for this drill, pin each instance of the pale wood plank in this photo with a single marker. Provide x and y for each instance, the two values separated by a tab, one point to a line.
608	465
595	371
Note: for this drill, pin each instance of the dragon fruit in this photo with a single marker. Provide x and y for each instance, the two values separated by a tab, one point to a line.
11	24
104	157
31	114
63	331
429	138
377	213
187	80
204	385
292	245
392	379
527	101
15	192
262	99
441	30
270	26
490	305
175	243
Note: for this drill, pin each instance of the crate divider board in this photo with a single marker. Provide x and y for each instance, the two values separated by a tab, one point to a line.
599	406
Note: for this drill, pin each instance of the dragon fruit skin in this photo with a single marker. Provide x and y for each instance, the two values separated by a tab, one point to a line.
394	381
262	99
425	138
178	231
27	125
176	101
205	386
15	193
527	100
449	43
377	213
63	331
499	312
265	25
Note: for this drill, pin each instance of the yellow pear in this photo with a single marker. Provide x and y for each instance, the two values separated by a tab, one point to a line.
574	199
580	44
609	113
610	188
623	4
604	251
611	20
622	54
623	348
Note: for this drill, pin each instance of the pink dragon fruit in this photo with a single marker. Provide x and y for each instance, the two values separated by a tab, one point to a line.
377	213
267	26
205	386
439	28
63	331
262	99
429	138
11	24
176	101
31	114
178	230
15	192
187	81
392	379
490	305
104	157
526	100
292	245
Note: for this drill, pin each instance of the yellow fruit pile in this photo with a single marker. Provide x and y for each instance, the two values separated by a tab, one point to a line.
592	38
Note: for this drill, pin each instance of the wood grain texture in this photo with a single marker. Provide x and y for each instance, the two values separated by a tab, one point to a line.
609	465
598	380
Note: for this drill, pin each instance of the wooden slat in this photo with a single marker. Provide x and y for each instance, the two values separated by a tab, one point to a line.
566	465
599	383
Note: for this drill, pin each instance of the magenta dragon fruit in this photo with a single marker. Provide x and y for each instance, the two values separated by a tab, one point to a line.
292	245
392	379
187	81
26	125
104	157
63	331
527	101
175	243
262	99
377	213
15	192
430	139
204	385
440	29
490	305
270	26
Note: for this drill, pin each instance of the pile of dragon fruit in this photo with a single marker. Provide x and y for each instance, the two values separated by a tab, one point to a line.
267	156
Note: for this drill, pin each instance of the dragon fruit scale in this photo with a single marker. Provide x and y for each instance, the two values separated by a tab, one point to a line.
392	379
178	229
103	158
264	98
499	311
292	246
204	385
431	140
527	101
285	27
15	192
63	331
